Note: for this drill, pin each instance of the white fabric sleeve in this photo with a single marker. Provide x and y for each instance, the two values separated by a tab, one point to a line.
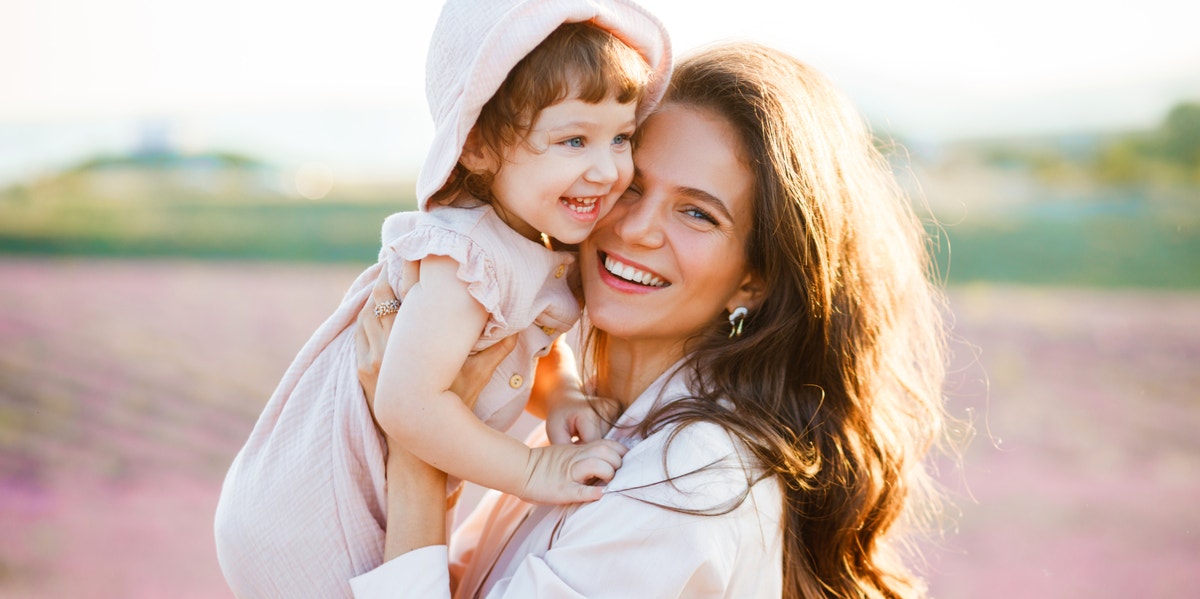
626	546
420	573
620	547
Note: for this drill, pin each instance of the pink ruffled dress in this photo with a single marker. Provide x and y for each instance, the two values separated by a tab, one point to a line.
302	509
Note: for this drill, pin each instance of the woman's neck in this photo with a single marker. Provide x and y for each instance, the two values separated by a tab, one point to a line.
633	366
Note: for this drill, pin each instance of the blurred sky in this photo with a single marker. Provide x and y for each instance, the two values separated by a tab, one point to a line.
341	82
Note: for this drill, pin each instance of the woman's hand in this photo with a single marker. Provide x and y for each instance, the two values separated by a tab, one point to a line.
371	337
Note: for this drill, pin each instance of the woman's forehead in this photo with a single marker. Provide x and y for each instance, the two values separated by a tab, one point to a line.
687	147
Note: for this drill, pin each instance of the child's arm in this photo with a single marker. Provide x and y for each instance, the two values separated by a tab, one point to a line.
556	377
434	331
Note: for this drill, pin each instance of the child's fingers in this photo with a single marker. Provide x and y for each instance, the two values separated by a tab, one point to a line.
591	428
584	494
608	445
559	430
593	471
597	462
600	417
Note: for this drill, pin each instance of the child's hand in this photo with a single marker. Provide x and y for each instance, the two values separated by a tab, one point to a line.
577	419
570	473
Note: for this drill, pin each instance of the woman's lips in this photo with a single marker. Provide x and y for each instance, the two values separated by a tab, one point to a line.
626	275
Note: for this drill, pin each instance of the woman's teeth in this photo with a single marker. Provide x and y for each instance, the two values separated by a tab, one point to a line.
581	205
632	274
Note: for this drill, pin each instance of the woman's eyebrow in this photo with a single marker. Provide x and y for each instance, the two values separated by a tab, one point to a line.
695	194
699	195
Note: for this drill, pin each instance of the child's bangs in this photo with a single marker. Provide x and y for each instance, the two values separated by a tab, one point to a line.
580	60
609	69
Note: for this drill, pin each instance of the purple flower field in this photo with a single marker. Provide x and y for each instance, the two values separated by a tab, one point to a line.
126	387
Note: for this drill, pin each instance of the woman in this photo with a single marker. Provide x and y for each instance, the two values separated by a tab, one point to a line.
762	315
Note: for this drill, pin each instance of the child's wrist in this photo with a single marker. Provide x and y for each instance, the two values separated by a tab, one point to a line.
565	394
525	475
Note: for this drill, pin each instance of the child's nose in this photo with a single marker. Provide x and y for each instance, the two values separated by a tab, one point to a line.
603	169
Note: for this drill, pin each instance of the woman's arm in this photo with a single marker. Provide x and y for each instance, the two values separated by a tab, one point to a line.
416	505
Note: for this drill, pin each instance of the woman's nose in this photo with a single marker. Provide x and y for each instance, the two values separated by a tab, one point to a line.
637	222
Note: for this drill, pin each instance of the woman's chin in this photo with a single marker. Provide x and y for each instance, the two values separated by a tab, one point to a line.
615	322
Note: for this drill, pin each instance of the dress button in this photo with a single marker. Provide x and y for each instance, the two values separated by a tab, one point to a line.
515	381
562	270
548	330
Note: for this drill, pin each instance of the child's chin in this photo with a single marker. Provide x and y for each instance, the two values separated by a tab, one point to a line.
574	238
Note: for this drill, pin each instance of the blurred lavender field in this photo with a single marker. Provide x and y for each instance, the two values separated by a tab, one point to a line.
126	387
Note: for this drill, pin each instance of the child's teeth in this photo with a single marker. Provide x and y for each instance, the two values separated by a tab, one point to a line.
580	205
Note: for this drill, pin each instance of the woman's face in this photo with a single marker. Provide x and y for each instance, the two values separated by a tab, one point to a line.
669	259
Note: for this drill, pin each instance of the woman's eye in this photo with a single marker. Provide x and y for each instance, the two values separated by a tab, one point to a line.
701	215
574	142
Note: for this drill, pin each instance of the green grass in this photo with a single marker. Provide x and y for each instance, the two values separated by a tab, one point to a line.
1131	243
295	231
1140	250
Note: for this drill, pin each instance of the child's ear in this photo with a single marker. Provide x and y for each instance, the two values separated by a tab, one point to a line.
474	155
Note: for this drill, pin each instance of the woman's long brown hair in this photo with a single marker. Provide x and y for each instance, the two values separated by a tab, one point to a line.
835	382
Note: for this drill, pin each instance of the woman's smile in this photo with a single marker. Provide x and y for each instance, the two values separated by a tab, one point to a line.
621	273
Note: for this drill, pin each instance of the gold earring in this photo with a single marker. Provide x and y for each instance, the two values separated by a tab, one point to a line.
736	319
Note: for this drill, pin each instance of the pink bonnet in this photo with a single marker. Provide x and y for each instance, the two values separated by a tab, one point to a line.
477	42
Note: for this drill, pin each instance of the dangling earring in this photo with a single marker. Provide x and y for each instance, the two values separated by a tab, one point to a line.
736	318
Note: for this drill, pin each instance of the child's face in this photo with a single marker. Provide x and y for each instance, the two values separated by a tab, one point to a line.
575	163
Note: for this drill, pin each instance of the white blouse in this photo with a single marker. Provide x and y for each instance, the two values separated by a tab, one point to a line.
628	543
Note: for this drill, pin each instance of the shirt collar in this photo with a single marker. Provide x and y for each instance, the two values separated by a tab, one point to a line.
671	385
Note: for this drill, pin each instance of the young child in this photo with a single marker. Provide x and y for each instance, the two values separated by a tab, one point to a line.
534	103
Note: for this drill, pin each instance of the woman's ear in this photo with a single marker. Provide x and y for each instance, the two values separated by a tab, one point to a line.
475	156
749	293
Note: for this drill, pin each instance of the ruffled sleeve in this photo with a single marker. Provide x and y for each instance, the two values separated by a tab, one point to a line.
477	266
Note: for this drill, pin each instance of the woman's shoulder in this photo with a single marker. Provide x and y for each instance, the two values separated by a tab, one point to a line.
698	466
688	495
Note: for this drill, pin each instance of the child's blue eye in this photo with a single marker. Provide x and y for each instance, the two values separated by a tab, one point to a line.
620	140
574	142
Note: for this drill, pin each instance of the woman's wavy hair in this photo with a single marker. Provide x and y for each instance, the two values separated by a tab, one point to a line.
577	60
835	383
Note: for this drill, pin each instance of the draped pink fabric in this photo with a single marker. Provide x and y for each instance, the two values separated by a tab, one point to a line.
302	507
